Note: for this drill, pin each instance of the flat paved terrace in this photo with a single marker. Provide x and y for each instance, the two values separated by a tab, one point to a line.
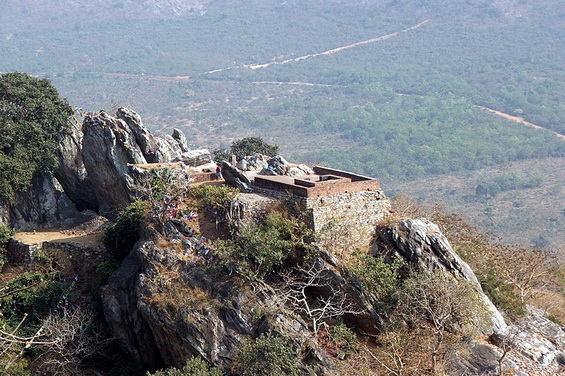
325	182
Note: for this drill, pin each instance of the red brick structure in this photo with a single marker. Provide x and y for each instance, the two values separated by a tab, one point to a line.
326	182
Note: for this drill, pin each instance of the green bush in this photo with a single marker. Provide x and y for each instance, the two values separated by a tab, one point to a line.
379	278
194	367
268	355
343	338
252	145
6	234
215	197
36	302
259	249
120	238
502	294
31	117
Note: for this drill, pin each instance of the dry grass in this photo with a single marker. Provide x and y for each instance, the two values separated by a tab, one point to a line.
552	303
171	292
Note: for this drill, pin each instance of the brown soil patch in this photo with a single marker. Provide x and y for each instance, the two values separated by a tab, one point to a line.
36	237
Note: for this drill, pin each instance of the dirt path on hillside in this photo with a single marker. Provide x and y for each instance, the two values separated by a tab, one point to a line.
519	120
328	52
291	83
142	75
56	235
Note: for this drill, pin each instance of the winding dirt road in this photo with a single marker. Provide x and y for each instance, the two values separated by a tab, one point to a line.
519	120
328	52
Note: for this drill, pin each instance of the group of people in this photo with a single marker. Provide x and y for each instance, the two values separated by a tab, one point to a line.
196	247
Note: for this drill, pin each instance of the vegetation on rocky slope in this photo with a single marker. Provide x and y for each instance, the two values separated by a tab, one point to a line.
31	117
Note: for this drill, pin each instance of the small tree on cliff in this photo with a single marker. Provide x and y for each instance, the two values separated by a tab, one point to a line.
247	146
445	304
31	117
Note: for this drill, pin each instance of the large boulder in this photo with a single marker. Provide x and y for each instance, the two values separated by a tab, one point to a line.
236	178
256	162
144	139
44	205
71	173
108	147
181	140
279	165
195	158
421	243
299	170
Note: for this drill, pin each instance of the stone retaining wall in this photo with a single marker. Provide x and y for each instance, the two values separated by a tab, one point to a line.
346	219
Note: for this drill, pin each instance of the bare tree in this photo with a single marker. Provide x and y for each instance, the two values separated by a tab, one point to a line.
506	342
308	291
441	301
529	268
72	337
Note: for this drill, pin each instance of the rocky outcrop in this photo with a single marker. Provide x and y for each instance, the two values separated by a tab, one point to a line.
43	205
145	140
236	178
94	170
108	147
165	309
535	337
256	162
421	243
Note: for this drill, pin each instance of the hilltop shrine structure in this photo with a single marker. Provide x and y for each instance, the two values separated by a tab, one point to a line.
340	206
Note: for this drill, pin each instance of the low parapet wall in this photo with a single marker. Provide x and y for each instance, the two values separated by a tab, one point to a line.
336	182
320	170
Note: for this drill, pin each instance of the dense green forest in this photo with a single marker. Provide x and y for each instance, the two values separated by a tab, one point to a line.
402	107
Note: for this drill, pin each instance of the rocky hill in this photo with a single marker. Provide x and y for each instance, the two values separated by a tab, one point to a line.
243	271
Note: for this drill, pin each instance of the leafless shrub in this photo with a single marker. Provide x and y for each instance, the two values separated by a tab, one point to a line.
70	339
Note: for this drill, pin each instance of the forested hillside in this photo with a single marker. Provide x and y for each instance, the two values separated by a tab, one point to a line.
405	104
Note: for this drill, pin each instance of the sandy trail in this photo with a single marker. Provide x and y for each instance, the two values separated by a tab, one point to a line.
291	83
328	52
56	235
520	120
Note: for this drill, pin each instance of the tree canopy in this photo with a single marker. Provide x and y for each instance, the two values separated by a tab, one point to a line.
31	117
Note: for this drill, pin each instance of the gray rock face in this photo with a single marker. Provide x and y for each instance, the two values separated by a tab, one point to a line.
108	147
181	140
72	174
472	359
420	242
163	319
195	158
255	162
45	204
235	177
536	337
143	137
